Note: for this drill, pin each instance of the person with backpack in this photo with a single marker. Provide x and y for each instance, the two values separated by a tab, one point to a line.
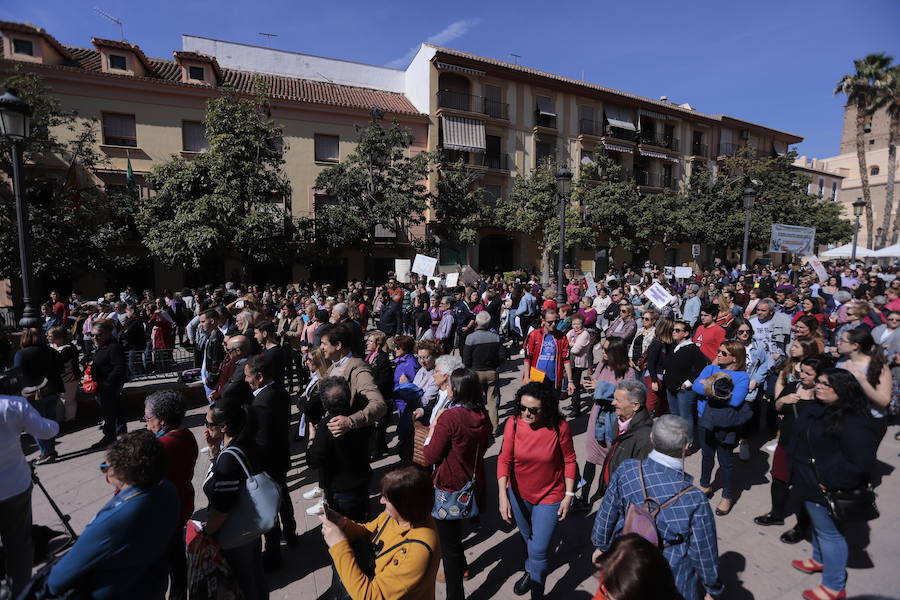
657	499
536	473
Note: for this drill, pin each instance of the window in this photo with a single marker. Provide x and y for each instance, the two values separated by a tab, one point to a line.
119	130
834	191
668	179
492	193
586	120
196	73
193	136
493	102
544	150
546	113
322	200
874	170
821	186
327	148
118	62
23	47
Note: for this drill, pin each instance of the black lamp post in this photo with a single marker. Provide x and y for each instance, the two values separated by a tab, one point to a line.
858	208
749	199
563	186
15	123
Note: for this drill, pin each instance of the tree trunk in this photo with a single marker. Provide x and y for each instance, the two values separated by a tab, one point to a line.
863	171
891	174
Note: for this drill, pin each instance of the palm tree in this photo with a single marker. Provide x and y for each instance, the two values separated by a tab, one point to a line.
888	91
859	87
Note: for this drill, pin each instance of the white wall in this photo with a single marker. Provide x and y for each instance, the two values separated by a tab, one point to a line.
244	57
418	85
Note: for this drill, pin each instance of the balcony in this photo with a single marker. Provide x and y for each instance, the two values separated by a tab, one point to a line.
498	162
698	149
729	148
601	129
470	103
661	141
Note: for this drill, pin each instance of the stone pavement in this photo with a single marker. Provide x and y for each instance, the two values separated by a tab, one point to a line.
754	563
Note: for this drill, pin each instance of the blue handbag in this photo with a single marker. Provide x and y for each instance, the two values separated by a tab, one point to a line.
451	506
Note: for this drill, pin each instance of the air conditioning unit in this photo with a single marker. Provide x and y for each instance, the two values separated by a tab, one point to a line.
745	134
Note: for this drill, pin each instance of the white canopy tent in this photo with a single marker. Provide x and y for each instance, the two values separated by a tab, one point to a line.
846	251
888	252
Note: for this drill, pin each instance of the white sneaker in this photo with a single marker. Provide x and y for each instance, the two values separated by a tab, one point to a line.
312	494
316	509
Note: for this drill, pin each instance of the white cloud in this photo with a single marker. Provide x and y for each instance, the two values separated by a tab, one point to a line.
454	30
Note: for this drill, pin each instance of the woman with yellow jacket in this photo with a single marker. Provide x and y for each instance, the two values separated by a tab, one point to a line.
403	552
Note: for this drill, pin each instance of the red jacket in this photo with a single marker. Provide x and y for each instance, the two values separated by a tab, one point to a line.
537	461
533	350
181	456
458	434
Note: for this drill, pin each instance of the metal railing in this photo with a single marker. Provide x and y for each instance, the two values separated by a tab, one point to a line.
663	141
590	127
471	103
145	365
491	161
699	149
729	148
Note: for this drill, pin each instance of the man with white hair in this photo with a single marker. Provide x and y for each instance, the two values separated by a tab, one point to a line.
685	524
690	308
633	424
484	353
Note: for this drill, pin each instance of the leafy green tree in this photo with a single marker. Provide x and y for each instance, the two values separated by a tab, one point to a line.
378	184
532	207
227	200
75	225
860	88
459	207
611	202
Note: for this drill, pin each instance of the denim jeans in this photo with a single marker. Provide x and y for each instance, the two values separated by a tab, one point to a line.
46	407
683	403
710	448
829	547
536	523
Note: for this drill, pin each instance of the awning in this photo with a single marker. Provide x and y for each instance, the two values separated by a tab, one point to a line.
658	116
464	134
545	106
448	67
653	154
617	147
620	117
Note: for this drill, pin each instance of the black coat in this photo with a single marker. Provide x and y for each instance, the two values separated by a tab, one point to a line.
133	336
108	368
38	363
343	462
213	354
268	425
634	443
843	461
682	366
237	389
383	374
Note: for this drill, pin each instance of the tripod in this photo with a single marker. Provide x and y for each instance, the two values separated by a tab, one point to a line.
64	519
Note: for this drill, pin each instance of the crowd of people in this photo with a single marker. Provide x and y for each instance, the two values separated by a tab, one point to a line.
409	371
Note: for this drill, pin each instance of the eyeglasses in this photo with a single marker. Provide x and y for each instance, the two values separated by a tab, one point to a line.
211	424
531	410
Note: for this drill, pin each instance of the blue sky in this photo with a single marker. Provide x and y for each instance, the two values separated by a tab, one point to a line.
771	62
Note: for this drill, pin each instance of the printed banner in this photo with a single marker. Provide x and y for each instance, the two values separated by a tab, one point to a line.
818	267
658	295
792	238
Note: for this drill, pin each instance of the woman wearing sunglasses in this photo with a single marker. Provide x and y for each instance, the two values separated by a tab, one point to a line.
721	412
833	446
536	473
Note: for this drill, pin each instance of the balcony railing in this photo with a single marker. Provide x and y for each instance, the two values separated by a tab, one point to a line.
476	159
470	103
621	134
699	149
729	148
601	129
663	141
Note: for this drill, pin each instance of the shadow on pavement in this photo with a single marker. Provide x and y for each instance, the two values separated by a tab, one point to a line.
731	565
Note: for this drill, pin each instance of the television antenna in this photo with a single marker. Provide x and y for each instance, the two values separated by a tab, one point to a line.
114	20
515	56
268	37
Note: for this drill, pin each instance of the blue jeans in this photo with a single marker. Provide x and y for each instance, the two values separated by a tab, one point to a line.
829	547
683	403
47	409
536	523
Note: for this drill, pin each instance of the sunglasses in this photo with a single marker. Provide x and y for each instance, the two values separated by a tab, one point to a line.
743	331
679	330
723	353
531	410
104	467
211	424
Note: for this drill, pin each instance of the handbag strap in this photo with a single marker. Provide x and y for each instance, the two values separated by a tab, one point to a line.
239	455
409	541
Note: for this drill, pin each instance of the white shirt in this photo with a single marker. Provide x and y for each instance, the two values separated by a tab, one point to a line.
16	416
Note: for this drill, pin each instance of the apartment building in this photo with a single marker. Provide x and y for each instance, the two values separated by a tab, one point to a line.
500	118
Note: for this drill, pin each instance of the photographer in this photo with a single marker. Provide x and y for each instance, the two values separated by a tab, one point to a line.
17	416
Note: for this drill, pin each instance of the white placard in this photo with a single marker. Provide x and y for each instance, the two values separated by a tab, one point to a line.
592	285
658	295
695	250
401	269
424	265
818	267
683	272
452	280
792	238
669	271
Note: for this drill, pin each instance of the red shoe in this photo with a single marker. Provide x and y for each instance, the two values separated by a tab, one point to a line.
820	593
808	566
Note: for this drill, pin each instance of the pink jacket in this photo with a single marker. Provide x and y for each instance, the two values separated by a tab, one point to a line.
580	348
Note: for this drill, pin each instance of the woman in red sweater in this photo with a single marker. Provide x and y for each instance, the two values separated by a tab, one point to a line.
456	444
708	335
536	473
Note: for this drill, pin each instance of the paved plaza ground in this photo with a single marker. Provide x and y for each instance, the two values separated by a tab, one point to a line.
755	565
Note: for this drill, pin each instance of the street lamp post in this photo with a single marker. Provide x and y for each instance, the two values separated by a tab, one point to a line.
563	185
749	199
858	207
15	122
